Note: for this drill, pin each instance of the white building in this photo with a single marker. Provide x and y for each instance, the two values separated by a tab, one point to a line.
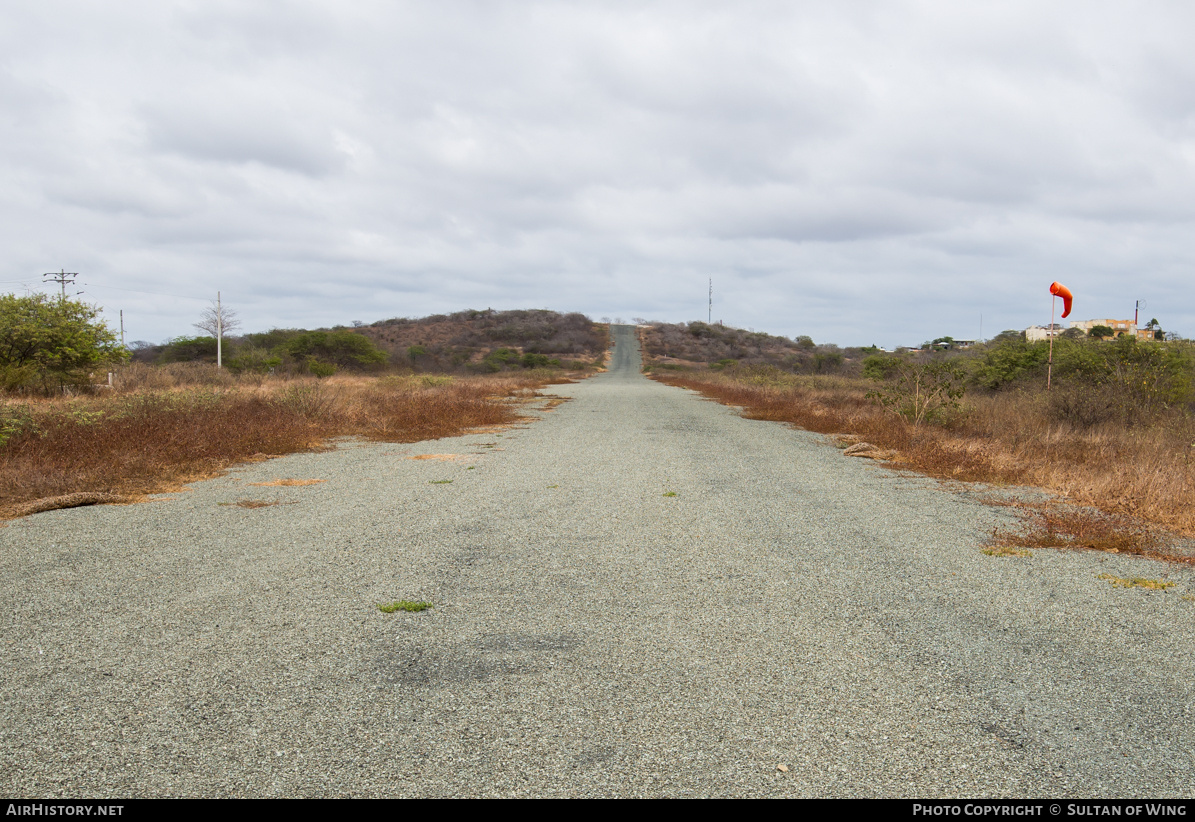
1037	333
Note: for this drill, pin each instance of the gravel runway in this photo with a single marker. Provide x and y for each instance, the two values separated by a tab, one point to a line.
638	594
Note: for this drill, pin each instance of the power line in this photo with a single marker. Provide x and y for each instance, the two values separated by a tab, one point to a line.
143	291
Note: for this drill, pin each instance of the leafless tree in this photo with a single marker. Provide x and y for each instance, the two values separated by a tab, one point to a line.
217	320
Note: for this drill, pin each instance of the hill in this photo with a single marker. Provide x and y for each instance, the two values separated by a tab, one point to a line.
475	339
682	346
467	341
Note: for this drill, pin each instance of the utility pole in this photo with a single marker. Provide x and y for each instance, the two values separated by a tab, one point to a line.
62	278
219	333
122	328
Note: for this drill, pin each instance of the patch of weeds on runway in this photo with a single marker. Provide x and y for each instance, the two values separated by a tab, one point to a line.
1065	527
1136	582
671	494
439	482
1006	551
289	483
404	605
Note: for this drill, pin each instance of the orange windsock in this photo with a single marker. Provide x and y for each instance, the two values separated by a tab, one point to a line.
1060	290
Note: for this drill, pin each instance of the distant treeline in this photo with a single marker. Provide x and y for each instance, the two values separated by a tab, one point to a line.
465	342
1123	380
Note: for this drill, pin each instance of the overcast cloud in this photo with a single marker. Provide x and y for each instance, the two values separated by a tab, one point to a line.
860	172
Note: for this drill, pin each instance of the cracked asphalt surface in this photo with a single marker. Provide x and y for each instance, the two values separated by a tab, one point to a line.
639	593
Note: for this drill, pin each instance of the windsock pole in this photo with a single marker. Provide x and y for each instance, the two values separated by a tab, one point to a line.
1050	334
1056	290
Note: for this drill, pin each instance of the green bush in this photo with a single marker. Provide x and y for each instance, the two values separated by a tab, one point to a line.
274	340
1127	381
414	352
320	369
499	358
47	343
253	360
342	349
826	361
919	390
538	361
15	420
190	349
1008	361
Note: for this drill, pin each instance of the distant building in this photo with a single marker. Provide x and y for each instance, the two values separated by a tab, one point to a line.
1118	326
1041	332
1037	333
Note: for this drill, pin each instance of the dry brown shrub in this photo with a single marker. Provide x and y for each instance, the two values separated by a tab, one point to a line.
189	422
1146	473
75	500
1063	526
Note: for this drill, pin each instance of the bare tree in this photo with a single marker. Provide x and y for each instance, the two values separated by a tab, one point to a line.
217	321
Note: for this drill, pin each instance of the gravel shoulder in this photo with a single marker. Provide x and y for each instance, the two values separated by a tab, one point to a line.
591	634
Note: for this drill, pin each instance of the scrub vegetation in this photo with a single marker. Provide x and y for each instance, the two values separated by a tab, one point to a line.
162	427
682	347
1116	433
468	342
170	416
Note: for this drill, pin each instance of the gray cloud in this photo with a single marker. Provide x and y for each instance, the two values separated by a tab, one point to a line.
245	132
864	172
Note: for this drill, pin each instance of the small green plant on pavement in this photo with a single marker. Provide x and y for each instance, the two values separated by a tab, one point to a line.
404	605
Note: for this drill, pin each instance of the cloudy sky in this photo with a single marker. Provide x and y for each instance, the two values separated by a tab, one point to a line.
862	172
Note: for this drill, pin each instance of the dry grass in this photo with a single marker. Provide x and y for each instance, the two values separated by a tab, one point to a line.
1136	582
162	428
1055	525
75	500
1006	551
1143	473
